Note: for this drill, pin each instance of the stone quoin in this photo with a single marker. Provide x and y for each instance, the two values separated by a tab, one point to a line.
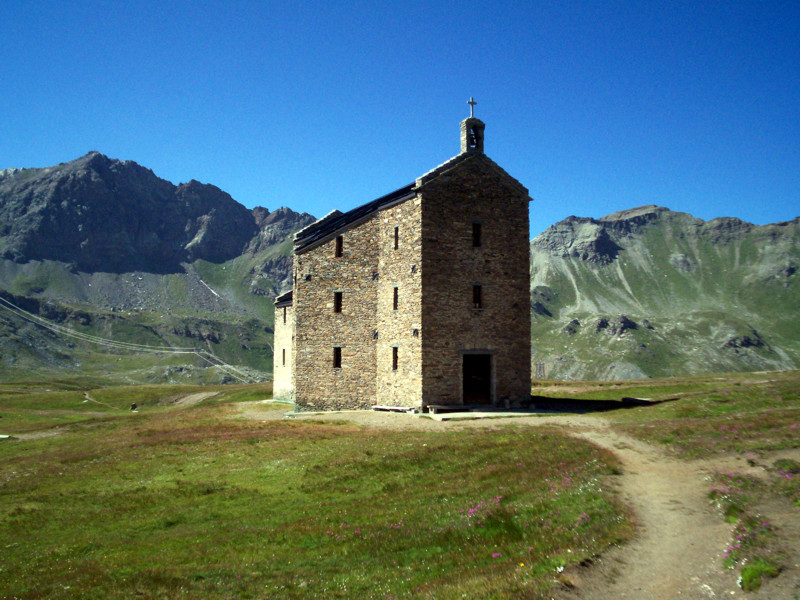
419	298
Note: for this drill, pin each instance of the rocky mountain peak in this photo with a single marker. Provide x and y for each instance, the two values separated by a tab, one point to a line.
641	213
583	238
103	214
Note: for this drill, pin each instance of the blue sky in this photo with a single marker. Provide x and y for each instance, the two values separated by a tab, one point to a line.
594	106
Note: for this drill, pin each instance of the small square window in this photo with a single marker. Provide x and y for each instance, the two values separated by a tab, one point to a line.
396	299
477	296
394	358
396	238
476	235
337	302
337	358
339	246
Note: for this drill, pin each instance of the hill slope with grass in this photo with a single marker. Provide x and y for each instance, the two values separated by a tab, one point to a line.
106	248
649	292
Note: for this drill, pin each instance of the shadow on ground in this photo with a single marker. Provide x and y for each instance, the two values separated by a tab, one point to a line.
583	406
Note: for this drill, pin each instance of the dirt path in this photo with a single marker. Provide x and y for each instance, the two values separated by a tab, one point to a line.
681	538
89	398
192	399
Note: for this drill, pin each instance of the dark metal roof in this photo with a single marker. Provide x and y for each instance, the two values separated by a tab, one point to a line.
284	299
332	223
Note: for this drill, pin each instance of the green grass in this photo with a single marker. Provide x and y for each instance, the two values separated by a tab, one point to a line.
193	502
757	412
755	570
32	407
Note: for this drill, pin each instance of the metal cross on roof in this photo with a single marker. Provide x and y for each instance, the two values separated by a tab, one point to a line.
472	104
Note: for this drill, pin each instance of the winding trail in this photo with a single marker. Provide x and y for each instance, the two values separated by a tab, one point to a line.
679	548
681	538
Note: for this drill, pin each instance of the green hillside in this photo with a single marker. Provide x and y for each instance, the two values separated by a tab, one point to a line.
650	292
65	332
98	255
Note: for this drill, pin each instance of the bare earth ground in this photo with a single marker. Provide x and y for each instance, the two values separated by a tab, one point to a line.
681	537
192	399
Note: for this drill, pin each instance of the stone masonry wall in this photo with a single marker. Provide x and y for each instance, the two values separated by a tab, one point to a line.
474	191
401	328
283	346
318	329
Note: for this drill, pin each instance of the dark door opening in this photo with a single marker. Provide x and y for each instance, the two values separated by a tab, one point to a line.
477	379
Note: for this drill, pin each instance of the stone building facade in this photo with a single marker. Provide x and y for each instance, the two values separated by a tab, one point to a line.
418	298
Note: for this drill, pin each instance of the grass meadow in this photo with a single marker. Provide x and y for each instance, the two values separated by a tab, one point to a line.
712	415
194	502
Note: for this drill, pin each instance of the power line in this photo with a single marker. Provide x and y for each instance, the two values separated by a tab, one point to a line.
93	339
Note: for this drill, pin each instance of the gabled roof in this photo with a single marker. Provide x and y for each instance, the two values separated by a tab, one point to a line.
335	220
464	157
284	299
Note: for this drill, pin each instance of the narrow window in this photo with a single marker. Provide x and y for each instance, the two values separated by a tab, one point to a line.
396	238
476	235
477	296
283	353
284	314
339	245
337	358
337	302
396	299
394	358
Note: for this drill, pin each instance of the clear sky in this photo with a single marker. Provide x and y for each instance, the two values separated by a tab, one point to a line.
594	106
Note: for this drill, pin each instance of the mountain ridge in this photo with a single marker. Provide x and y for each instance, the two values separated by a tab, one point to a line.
117	252
716	295
109	249
109	215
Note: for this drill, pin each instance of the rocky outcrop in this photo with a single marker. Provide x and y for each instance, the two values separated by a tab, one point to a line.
571	328
724	230
274	227
691	296
741	342
616	326
585	239
107	215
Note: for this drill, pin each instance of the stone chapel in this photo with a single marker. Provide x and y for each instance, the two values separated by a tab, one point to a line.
417	299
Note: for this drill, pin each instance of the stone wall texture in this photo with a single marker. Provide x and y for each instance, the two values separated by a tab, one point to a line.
319	274
423	248
400	268
475	192
283	360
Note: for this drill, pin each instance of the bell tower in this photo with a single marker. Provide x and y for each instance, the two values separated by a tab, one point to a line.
472	131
